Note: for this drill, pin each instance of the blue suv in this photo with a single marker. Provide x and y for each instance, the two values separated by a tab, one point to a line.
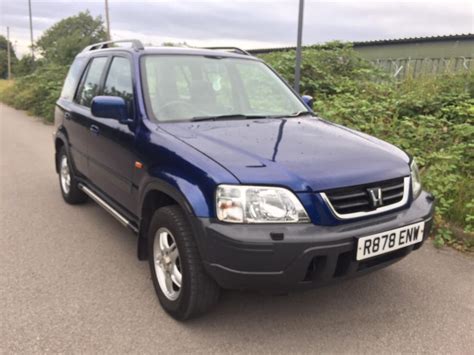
227	176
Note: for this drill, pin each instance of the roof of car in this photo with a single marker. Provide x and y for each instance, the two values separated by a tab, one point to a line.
194	51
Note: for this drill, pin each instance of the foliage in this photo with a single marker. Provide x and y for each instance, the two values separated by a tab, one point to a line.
326	70
432	118
38	86
4	57
37	92
26	65
443	236
60	43
5	87
175	44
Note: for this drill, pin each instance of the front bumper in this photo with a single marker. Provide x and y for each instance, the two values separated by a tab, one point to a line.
285	257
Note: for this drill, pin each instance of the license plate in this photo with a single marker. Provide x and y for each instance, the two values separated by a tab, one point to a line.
388	241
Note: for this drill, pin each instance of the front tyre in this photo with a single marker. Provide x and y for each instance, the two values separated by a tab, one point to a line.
181	284
67	182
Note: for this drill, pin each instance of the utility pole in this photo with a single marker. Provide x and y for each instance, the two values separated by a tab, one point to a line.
107	20
31	31
298	47
9	60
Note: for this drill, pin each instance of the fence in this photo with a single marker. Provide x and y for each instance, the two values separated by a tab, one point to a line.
402	68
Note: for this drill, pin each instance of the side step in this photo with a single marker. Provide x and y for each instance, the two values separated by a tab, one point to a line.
125	222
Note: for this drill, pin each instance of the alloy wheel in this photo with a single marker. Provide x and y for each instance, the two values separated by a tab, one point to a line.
65	175
167	263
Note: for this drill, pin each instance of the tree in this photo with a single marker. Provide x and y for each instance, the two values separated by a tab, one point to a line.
175	44
4	57
26	65
60	43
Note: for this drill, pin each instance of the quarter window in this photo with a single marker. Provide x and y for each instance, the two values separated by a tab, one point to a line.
73	77
90	86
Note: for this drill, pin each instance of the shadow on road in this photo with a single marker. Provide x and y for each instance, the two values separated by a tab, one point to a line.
353	296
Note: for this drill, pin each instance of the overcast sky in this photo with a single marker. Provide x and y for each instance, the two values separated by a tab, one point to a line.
248	24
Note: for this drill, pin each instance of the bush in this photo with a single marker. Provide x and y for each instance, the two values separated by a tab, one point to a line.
40	82
26	65
37	93
326	70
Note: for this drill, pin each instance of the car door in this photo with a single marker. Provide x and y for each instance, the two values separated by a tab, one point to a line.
75	132
77	115
111	158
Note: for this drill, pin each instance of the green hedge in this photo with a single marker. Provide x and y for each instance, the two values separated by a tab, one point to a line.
36	92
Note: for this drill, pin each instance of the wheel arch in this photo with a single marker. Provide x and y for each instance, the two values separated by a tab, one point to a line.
60	141
159	194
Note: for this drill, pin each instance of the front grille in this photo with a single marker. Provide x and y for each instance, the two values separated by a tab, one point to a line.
357	200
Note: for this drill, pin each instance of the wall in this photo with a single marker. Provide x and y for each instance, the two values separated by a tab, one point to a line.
418	58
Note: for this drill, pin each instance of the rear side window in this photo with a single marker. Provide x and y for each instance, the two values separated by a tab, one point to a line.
119	81
72	79
91	82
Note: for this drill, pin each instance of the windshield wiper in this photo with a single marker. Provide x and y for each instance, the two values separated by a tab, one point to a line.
230	116
295	114
299	114
240	116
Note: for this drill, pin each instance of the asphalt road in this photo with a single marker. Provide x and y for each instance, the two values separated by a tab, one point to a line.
70	282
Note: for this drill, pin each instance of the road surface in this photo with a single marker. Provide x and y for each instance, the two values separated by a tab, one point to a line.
70	282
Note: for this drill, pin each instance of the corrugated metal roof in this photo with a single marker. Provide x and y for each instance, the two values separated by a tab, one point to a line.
458	37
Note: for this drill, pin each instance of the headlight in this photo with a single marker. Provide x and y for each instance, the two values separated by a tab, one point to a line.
258	204
415	179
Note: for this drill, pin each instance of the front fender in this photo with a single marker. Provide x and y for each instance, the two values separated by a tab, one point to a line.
178	168
189	197
193	194
170	187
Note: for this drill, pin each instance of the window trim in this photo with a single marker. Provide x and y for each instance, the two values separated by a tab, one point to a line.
132	76
84	76
82	63
144	84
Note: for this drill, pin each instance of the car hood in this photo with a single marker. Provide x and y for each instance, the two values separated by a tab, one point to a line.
304	154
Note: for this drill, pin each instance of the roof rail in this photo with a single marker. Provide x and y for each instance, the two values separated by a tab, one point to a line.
230	49
136	45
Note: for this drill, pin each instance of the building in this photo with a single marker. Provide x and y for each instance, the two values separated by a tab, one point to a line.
414	56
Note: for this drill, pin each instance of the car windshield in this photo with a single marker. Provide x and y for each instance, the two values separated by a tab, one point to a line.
187	87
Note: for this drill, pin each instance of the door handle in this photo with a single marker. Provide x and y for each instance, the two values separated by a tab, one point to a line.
67	115
94	129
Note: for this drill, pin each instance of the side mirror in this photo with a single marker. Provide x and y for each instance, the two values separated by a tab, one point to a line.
113	107
308	100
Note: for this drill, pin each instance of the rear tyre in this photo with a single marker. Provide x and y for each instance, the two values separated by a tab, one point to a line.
67	182
181	284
